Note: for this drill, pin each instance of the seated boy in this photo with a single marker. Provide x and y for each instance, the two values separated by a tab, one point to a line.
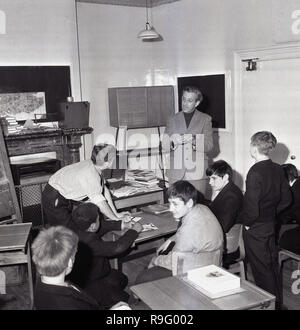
199	231
53	252
92	270
227	198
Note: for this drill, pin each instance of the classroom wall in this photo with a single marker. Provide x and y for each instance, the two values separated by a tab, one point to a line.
40	32
199	38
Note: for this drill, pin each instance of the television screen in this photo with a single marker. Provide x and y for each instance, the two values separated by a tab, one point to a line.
52	82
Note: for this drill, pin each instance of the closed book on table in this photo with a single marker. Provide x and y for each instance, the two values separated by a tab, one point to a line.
214	281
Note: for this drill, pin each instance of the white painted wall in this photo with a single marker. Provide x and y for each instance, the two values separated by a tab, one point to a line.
40	32
200	37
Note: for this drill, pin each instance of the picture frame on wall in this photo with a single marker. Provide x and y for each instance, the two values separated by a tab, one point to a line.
213	88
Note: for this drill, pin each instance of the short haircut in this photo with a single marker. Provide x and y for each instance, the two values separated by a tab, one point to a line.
52	250
107	152
84	215
264	141
290	171
184	190
193	89
219	168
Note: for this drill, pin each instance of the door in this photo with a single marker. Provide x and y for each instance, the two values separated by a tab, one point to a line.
270	100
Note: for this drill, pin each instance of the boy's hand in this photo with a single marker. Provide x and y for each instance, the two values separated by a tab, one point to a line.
126	217
126	225
137	227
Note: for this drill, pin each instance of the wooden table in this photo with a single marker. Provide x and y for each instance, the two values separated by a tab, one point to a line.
153	196
14	248
166	225
173	293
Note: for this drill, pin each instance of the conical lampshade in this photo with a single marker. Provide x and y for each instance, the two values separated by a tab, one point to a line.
148	33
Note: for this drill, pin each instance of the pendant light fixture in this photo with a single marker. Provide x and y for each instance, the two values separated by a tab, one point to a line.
149	32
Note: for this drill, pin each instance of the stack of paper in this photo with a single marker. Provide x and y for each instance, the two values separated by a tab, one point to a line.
145	177
13	126
214	281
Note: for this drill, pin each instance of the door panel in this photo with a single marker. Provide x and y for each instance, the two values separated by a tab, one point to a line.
271	101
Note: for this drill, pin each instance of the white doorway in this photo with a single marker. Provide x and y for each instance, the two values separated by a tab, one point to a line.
268	98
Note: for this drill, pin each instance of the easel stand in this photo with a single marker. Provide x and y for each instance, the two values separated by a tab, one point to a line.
121	163
9	206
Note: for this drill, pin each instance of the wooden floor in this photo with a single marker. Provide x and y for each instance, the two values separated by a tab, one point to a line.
17	297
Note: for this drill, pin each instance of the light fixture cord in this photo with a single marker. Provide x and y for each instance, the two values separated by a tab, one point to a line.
147	12
78	50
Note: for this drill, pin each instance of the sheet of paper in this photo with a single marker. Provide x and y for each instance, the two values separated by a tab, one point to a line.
148	227
136	219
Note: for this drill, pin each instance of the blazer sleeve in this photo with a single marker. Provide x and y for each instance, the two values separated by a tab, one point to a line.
286	196
229	213
208	135
250	211
113	248
167	143
108	225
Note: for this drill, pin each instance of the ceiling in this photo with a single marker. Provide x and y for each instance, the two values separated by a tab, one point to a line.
131	3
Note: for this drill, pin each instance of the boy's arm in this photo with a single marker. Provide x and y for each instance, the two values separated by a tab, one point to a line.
286	196
250	210
114	248
108	225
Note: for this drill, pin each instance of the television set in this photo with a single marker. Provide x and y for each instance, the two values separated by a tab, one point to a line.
44	84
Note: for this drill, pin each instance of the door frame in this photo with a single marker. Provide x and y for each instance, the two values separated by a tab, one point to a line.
262	54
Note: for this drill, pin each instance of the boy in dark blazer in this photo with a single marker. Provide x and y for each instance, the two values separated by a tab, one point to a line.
227	198
267	194
92	270
290	239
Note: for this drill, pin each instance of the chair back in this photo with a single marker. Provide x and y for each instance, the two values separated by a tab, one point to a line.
234	241
185	261
233	238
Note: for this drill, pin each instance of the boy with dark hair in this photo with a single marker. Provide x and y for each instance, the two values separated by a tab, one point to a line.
227	198
267	193
92	270
199	231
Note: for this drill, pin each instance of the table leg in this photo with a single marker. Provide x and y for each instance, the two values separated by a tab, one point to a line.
30	280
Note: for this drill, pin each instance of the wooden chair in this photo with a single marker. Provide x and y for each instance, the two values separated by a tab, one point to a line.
185	261
285	255
234	241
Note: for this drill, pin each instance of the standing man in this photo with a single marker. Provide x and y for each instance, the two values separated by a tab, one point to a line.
81	182
267	193
188	137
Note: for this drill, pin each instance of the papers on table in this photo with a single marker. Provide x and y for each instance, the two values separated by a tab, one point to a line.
132	188
148	227
136	219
